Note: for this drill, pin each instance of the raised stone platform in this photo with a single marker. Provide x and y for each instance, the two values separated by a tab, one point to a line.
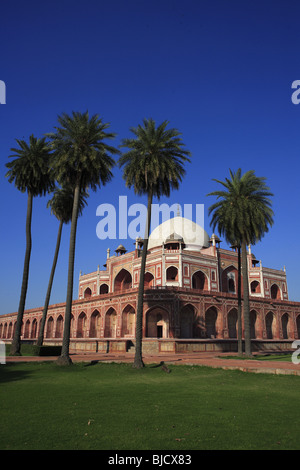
171	345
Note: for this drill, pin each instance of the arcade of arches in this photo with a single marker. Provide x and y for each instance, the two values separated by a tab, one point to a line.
159	322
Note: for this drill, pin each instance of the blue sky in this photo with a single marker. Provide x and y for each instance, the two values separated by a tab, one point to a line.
220	71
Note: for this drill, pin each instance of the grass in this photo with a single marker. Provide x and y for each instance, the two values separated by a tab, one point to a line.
115	407
264	357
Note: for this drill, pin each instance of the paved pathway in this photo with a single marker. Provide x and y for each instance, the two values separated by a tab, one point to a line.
205	359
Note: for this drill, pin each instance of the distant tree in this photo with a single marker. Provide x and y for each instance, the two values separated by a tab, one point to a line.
30	173
61	205
80	159
153	165
244	212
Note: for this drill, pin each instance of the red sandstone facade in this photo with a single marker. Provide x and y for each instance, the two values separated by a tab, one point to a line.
190	298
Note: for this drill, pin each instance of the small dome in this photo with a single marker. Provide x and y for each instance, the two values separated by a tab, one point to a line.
120	249
215	237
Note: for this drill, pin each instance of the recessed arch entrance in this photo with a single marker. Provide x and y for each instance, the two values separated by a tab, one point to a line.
172	274
95	324
103	289
187	319
123	280
232	319
81	325
128	321
72	332
285	325
230	280
298	326
253	324
9	331
110	330
27	329
275	292
148	280
255	287
199	281
270	325
59	327
49	328
212	322
157	323
87	293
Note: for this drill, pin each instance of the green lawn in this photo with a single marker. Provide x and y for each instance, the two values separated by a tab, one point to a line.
264	357
113	406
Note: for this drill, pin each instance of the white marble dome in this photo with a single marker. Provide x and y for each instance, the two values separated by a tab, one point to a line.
193	235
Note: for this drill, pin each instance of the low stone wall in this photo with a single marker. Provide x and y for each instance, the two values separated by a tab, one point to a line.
168	346
190	346
101	346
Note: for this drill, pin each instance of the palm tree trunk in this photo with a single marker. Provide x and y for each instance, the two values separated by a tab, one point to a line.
43	322
246	300
138	360
64	358
240	343
16	343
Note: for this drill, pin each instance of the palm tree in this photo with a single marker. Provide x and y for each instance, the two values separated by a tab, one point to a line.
222	219
61	205
244	213
153	166
237	245
30	173
80	159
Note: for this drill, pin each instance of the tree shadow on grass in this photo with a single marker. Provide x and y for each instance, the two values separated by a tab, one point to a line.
92	363
10	373
155	366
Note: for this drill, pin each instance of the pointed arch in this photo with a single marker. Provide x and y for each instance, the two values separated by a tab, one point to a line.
104	289
255	287
187	319
298	325
9	331
72	332
275	292
172	273
34	328
148	280
81	325
123	280
285	325
49	329
95	324
128	321
230	279
110	330
87	293
157	322
253	324
270	325
27	329
212	320
59	327
232	318
200	280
